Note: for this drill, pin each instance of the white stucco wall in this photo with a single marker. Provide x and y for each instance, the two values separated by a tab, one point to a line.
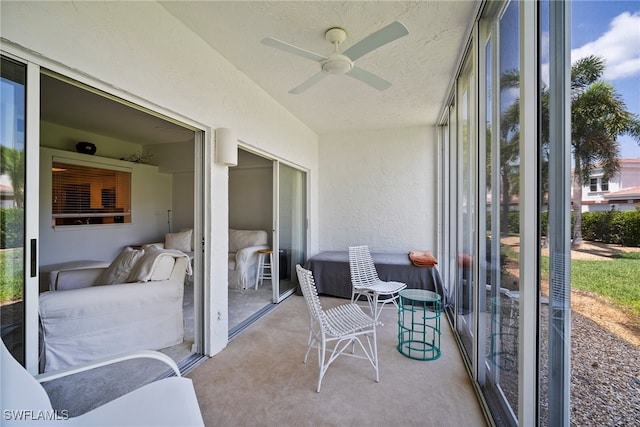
378	188
138	51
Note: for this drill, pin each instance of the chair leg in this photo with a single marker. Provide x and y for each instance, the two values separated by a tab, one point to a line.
259	272
375	355
376	310
323	368
380	305
310	341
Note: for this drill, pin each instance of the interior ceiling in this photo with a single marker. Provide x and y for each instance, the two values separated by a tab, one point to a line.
420	66
74	106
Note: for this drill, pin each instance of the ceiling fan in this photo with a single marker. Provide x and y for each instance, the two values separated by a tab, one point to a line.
343	63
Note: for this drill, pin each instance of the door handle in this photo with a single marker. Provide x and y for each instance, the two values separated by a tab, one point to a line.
34	261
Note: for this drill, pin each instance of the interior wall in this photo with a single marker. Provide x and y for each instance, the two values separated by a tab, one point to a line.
151	194
178	160
251	194
53	135
182	208
378	188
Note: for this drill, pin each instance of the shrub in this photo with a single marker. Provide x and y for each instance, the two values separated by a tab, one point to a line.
612	227
630	228
12	231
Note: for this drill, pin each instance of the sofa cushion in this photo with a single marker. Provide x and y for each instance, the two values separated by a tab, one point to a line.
180	241
239	239
119	269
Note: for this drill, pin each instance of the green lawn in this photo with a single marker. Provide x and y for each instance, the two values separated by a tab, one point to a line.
617	280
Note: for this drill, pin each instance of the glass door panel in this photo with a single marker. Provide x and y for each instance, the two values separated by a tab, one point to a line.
12	206
291	229
500	271
465	209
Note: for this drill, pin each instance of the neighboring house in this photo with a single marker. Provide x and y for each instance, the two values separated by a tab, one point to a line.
418	185
6	192
620	193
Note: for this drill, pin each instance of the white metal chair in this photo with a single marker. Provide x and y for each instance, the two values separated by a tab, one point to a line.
166	402
365	281
339	328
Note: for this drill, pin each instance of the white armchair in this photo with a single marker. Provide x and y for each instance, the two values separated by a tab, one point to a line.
167	402
243	256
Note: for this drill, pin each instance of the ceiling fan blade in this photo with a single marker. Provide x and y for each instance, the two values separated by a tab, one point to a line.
369	78
275	43
385	35
307	84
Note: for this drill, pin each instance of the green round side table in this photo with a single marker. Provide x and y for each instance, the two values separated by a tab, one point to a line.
419	313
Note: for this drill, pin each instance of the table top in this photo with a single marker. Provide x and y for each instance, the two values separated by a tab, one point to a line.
421	295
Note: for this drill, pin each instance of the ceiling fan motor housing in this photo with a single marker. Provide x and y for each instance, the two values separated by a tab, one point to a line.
337	64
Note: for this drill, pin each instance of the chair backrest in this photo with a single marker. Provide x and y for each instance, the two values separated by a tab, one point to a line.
363	271
19	390
310	292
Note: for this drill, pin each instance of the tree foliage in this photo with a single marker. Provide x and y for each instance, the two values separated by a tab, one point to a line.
598	117
12	164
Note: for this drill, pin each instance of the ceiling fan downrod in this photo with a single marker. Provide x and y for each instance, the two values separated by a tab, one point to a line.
336	63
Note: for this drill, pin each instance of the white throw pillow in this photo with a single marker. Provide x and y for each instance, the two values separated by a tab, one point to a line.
119	269
180	241
192	237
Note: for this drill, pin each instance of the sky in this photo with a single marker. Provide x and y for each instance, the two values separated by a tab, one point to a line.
611	30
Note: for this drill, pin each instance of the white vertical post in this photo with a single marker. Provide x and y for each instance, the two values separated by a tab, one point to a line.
529	217
559	213
32	194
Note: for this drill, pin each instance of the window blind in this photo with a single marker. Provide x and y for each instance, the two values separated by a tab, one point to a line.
85	195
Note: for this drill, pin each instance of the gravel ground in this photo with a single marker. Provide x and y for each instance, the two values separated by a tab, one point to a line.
605	377
605	355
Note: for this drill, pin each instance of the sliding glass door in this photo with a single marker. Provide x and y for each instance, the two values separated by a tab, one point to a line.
18	243
290	239
499	221
466	208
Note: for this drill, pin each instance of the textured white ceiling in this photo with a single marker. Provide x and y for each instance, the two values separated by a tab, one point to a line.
420	66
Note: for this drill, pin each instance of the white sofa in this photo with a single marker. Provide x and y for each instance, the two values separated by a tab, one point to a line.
81	322
243	256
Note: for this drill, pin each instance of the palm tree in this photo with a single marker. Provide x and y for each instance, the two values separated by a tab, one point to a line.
509	147
598	117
